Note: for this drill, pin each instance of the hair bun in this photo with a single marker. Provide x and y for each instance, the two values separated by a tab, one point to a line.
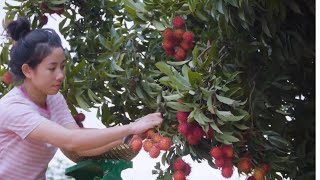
18	28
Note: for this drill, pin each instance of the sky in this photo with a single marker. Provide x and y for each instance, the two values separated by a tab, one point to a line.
142	163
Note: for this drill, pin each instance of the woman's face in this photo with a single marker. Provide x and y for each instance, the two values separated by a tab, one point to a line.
48	76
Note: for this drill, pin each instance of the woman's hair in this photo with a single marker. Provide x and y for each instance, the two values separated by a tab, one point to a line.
31	46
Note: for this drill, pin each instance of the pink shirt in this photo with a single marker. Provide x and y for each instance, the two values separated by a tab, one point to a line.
21	157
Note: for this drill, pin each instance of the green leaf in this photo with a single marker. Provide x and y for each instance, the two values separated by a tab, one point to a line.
158	25
227	116
114	66
173	97
137	6
210	105
241	126
178	63
164	68
232	2
83	105
215	127
178	106
195	78
279	142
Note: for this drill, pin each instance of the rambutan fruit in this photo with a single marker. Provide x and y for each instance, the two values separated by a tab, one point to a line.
165	143
179	164
178	22
168	34
136	144
227	151
188	36
182	116
154	151
178	34
245	165
227	172
147	145
216	152
180	54
179	175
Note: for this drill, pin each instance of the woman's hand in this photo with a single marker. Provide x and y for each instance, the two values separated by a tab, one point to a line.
146	122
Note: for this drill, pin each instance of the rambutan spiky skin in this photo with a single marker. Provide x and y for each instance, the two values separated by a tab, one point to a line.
188	36
156	138
165	143
251	178
154	151
265	167
219	162
180	54
258	174
227	151
216	152
179	175
245	165
169	52
178	22
182	116
147	145
183	129
227	172
179	164
136	144
186	45
187	169
193	140
168	34
167	44
178	34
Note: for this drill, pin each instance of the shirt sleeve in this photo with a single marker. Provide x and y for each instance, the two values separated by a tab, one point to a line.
62	111
21	119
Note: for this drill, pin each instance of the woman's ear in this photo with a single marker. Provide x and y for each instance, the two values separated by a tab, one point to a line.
26	70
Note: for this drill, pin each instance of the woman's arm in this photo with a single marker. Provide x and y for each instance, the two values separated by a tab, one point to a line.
79	140
92	152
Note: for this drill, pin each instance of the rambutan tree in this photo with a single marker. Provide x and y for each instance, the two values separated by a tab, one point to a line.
234	79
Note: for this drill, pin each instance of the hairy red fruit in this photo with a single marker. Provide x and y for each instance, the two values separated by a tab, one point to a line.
251	178
258	174
182	116
167	44
198	132
193	140
188	36
156	138
165	143
180	54
210	134
136	144
154	151
7	78
147	145
228	163
227	172
187	169
178	34
227	151
178	22
216	152
169	52
186	45
245	165
219	162
265	167
79	117
179	164
149	133
179	175
168	34
183	129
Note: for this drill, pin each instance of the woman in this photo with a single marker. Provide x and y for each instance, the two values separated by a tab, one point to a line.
35	119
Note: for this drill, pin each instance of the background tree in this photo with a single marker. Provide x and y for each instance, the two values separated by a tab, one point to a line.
248	75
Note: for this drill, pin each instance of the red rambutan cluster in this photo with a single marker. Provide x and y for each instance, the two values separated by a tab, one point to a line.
177	42
223	157
181	169
155	142
192	131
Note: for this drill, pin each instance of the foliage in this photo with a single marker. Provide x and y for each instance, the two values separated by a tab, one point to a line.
250	76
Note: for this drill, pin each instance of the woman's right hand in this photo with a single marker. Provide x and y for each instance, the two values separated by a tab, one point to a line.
146	122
